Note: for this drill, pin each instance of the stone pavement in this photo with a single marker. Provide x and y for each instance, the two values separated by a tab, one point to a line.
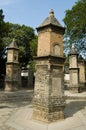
10	102
18	115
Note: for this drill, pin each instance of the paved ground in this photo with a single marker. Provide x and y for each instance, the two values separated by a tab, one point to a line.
18	115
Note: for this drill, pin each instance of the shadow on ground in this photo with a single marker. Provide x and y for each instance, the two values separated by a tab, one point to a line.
73	107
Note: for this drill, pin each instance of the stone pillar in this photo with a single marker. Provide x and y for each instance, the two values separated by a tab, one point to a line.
81	65
74	71
48	100
12	68
30	78
19	78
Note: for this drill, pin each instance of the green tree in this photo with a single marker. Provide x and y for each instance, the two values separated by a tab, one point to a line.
33	46
4	29
75	22
25	38
1	23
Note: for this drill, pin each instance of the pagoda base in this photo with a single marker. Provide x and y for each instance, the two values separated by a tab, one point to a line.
48	117
11	85
48	109
49	100
74	89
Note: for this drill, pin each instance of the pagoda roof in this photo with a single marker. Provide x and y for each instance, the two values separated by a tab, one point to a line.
50	20
13	44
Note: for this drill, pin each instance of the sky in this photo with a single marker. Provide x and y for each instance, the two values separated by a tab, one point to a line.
33	12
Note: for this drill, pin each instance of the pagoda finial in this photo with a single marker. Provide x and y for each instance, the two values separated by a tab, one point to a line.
73	51
51	13
13	40
73	47
13	44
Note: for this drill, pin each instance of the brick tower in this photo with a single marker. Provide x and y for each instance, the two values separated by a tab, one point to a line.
48	101
12	67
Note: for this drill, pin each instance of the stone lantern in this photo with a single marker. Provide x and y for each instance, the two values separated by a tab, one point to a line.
48	100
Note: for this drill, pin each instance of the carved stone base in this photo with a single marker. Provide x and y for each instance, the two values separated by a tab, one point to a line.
48	100
48	109
48	117
74	89
74	80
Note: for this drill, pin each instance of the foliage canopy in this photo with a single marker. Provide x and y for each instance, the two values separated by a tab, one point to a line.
25	38
75	22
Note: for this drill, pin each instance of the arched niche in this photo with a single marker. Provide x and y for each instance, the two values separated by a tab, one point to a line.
56	49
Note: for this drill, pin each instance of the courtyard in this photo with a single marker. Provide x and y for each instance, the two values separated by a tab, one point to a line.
16	112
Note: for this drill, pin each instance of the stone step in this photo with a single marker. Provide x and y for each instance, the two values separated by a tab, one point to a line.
16	96
27	95
75	97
